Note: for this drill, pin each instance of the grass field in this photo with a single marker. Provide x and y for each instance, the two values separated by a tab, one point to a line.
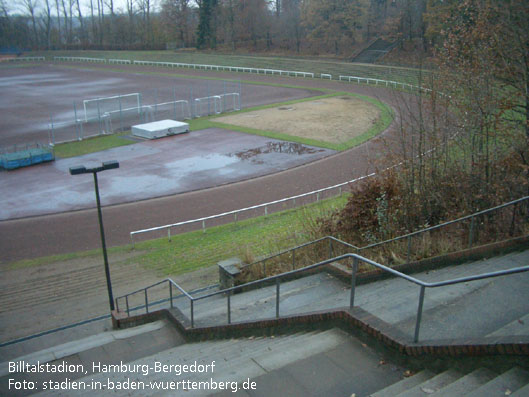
190	251
91	145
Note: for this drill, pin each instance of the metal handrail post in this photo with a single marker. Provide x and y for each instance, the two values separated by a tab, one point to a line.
127	303
171	293
277	297
146	302
330	248
117	304
471	233
511	229
192	314
408	254
229	307
293	259
419	314
353	281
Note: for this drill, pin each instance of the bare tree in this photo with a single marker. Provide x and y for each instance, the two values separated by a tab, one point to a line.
31	7
59	19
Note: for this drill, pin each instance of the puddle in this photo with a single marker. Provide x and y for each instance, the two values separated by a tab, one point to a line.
277	147
201	163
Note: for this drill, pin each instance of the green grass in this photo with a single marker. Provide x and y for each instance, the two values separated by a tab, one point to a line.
317	66
91	145
186	252
260	236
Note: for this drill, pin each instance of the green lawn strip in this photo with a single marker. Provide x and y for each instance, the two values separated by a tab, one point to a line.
185	252
91	145
260	236
385	119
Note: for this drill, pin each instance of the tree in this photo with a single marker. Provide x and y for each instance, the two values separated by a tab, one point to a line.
334	22
176	15
291	22
31	7
207	29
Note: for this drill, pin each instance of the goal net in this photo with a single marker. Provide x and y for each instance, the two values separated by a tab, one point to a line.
99	108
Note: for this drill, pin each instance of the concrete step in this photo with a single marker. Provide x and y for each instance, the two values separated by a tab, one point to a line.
247	358
432	385
239	347
467	383
523	392
504	384
518	327
404	384
393	300
81	345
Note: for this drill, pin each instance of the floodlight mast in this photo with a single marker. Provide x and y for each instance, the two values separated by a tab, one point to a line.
81	169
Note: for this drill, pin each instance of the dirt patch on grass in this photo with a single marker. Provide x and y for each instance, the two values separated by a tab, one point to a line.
334	120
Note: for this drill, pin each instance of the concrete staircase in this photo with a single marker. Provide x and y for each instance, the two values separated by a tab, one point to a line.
295	365
375	51
491	307
108	347
481	382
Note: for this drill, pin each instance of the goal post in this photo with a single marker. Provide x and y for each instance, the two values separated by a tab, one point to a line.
96	108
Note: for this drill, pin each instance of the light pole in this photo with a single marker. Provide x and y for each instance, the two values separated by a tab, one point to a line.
81	169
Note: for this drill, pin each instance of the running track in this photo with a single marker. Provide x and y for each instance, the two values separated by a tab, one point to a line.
78	231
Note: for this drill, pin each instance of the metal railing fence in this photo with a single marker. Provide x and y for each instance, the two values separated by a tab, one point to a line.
356	259
472	229
292	257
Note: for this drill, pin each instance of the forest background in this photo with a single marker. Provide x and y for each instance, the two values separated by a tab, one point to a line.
334	28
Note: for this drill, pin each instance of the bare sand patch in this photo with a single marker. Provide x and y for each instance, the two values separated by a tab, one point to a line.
333	120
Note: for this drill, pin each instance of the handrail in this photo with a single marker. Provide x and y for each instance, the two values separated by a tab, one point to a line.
409	235
356	259
464	218
298	247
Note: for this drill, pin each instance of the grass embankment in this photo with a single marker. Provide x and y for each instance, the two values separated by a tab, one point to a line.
311	65
190	251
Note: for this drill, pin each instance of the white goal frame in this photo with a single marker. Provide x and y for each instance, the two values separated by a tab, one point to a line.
117	98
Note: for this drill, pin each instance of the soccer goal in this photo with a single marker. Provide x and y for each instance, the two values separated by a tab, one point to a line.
98	107
231	101
208	105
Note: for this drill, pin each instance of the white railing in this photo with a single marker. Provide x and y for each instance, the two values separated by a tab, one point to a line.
80	59
239	69
120	61
235	213
22	59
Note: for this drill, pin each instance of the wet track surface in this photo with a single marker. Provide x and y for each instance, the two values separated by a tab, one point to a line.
78	230
161	167
33	97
